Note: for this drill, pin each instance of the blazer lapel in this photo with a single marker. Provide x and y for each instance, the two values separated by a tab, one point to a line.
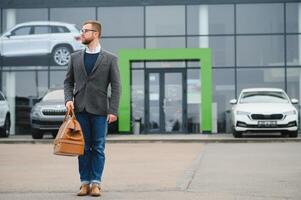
82	63
99	60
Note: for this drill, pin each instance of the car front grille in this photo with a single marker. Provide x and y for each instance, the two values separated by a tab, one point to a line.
47	123
266	117
53	112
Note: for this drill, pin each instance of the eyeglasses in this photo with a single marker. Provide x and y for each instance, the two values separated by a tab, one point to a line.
86	30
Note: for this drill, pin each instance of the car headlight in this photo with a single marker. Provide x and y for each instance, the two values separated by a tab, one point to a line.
238	112
35	111
291	112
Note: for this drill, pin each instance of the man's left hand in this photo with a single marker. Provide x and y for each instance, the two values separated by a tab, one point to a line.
111	118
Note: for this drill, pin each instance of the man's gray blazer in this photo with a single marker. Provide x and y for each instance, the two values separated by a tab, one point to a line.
90	92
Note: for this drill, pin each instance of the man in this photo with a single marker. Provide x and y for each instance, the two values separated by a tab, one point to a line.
85	87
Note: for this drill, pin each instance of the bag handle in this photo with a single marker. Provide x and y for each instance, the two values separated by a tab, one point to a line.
70	112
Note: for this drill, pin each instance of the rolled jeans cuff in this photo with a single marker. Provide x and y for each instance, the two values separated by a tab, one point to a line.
85	182
95	181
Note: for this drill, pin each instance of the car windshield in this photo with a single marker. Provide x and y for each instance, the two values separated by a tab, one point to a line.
56	95
263	97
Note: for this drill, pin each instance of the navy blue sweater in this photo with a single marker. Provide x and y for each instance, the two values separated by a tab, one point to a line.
89	61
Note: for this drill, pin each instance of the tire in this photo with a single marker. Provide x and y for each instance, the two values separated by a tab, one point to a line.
293	134
4	131
61	55
37	134
237	134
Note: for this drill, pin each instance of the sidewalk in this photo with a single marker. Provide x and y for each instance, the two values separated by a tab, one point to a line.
183	138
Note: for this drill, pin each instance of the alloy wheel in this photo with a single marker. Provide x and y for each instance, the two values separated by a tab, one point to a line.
61	55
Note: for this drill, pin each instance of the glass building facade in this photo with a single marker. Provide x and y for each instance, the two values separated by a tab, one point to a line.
253	45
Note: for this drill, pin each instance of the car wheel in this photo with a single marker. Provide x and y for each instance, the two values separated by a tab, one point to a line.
237	134
6	127
293	134
37	134
61	55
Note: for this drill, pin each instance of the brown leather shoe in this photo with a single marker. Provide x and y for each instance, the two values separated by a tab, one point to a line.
95	190
84	190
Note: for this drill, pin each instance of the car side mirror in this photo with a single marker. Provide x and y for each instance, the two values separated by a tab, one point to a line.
294	101
233	101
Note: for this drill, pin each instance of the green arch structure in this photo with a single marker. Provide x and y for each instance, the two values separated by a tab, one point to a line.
203	55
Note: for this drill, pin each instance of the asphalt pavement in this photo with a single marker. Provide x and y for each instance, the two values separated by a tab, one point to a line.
153	168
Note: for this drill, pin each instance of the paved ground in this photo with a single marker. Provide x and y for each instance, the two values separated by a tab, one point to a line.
159	171
125	138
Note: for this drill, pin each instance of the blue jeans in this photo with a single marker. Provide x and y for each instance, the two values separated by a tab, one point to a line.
91	164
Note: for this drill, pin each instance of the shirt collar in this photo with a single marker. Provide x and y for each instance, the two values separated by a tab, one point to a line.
94	51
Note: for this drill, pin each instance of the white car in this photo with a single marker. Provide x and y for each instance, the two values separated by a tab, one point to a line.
262	110
38	38
4	117
48	114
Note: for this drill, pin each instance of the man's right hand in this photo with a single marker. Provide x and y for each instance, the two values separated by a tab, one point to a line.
69	105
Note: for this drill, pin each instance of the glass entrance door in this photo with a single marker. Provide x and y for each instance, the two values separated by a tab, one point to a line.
165	101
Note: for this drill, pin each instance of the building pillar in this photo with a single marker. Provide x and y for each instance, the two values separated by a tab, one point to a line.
299	31
11	76
203	26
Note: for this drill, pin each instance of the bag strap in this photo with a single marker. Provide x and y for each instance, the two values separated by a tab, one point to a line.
70	112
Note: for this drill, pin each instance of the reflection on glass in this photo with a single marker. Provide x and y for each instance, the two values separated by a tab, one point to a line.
172	102
22	89
68	15
39	39
23	15
250	78
260	50
223	91
210	19
165	20
116	21
293	56
260	18
293	21
165	42
57	79
154	101
165	64
193	100
294	86
294	83
137	64
115	44
222	48
138	96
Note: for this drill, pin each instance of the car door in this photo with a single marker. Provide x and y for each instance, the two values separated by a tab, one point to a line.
3	108
16	43
40	40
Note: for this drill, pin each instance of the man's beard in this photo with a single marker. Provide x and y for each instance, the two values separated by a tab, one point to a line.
87	41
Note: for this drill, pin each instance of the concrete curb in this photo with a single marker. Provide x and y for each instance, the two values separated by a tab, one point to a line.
163	140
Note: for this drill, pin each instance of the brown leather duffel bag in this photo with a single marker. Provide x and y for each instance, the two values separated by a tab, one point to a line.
69	140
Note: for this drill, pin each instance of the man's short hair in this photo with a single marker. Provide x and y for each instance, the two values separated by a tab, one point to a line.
95	24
